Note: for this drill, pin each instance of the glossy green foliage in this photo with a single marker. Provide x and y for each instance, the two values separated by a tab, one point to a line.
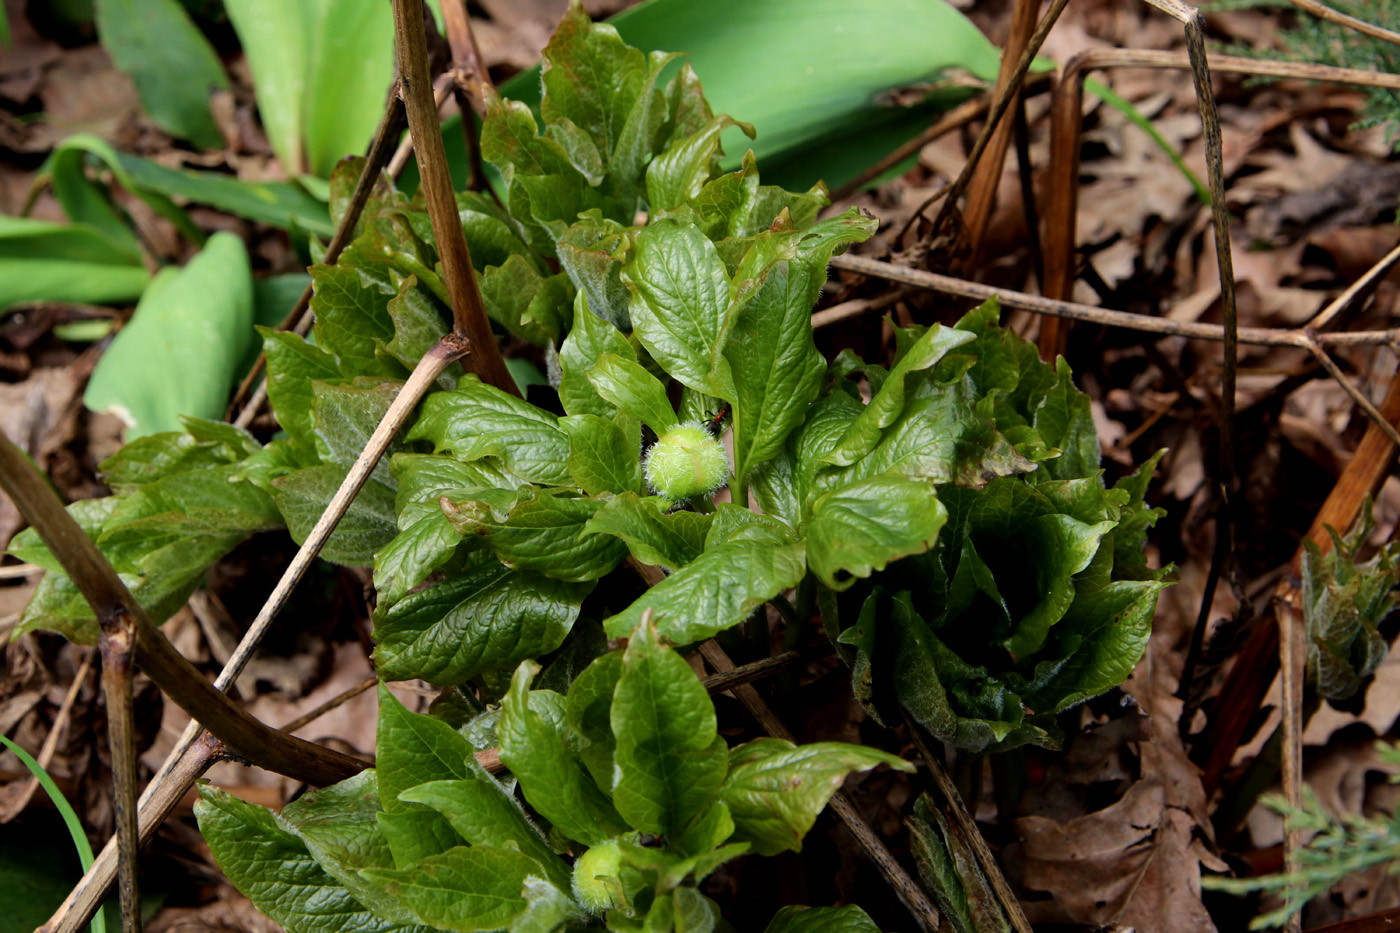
428	839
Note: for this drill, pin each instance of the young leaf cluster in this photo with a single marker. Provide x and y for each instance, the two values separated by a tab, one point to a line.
635	800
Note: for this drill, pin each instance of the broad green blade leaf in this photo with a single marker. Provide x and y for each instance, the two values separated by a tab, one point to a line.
277	37
591	252
862	527
466	888
346	417
627	385
173	65
652	535
848	919
680	173
180	353
476	420
590	338
486	617
680	294
1065	421
484	813
537	751
339	827
367	526
42	261
264	861
578	54
670	760
414	749
349	68
602	458
716	590
547	909
775	789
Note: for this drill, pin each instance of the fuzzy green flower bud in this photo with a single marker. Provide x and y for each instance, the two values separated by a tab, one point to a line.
603	881
686	462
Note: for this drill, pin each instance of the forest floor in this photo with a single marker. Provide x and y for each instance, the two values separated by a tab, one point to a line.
1117	827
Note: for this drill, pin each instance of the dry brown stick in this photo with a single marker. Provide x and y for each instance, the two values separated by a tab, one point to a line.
854	308
117	645
904	887
1357	395
958	117
471	85
469	320
157	803
391	125
1254	336
339	699
1292	656
1003	100
442	87
1322	11
1359	289
986	175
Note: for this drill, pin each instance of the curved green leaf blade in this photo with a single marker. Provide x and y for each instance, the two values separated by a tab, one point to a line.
861	528
670	760
465	889
180	353
173	65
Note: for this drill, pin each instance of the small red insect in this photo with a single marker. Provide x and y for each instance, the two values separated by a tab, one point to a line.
714	420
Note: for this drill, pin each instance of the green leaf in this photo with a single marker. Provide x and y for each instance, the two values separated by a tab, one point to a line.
339	827
346	416
848	919
1065	421
547	910
628	386
774	364
588	708
173	65
652	535
863	434
541	532
415	834
156	456
602	457
415	749
552	777
292	366
591	78
367	525
680	293
277	40
41	261
680	173
415	552
484	813
775	789
507	291
670	760
949	871
861	528
466	888
264	862
350	63
152	374
591	252
589	340
476	420
352	318
486	617
716	590
419	320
